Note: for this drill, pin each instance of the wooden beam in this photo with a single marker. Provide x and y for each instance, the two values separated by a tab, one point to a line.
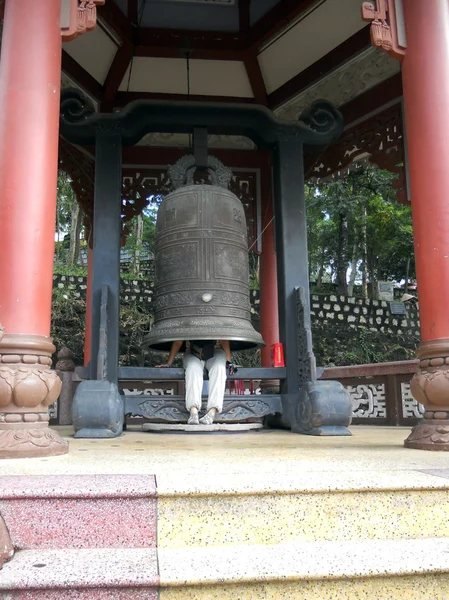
198	53
199	40
322	67
372	100
116	20
244	15
156	156
123	98
133	11
256	78
117	71
80	75
276	19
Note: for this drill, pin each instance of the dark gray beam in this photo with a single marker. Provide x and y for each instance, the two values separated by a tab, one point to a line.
106	246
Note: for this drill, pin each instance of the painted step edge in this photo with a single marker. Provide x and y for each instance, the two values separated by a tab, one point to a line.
14	487
307	561
86	568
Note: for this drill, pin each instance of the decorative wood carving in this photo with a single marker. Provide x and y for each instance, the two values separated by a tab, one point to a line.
141	183
82	17
344	84
384	26
379	139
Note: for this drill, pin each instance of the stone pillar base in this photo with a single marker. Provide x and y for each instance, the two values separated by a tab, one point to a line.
31	443
430	387
430	433
27	388
322	408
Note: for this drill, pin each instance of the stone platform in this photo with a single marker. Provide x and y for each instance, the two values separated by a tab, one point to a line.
213	428
258	515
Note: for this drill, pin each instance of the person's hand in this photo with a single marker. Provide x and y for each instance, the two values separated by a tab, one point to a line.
232	370
166	366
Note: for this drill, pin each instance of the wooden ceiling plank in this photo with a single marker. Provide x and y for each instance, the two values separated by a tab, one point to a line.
276	19
80	75
322	67
256	78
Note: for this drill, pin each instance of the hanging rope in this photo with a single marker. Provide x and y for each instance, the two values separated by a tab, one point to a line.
188	89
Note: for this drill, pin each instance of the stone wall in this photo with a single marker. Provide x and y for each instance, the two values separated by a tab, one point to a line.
339	311
365	329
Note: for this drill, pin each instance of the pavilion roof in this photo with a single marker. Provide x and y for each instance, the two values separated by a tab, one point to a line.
279	53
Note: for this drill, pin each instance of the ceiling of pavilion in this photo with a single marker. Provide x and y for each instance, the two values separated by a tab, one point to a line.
280	53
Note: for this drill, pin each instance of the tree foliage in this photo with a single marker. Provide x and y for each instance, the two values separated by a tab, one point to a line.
68	222
355	220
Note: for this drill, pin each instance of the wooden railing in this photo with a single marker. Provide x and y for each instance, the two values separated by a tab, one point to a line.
380	392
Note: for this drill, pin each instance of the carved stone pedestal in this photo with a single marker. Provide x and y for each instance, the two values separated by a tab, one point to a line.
27	388
430	387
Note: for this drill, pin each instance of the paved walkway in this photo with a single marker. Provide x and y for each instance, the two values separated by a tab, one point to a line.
374	457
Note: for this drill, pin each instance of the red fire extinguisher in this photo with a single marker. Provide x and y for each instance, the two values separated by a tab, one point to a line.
277	355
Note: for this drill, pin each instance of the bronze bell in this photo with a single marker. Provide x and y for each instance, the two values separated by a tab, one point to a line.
202	272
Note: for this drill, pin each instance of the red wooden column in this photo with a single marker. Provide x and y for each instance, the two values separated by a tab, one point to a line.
269	313
426	101
30	73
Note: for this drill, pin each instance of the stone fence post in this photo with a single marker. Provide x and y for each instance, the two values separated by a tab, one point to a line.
65	368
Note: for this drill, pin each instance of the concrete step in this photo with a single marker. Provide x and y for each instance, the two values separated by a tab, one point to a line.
257	509
82	511
87	574
376	569
380	569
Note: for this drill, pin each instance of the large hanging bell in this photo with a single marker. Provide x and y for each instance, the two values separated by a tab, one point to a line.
202	273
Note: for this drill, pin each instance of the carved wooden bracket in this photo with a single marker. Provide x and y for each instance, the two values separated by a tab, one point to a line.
379	139
387	26
78	17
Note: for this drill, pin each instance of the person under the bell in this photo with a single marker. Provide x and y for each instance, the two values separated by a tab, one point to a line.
213	356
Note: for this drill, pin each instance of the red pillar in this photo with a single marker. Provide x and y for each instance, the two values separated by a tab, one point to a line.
269	313
426	101
30	72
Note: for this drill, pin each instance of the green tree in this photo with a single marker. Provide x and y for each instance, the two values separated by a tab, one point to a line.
354	221
68	222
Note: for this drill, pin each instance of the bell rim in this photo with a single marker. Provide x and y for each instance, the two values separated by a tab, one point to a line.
258	342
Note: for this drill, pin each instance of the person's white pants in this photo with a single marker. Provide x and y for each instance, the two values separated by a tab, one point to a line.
194	368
